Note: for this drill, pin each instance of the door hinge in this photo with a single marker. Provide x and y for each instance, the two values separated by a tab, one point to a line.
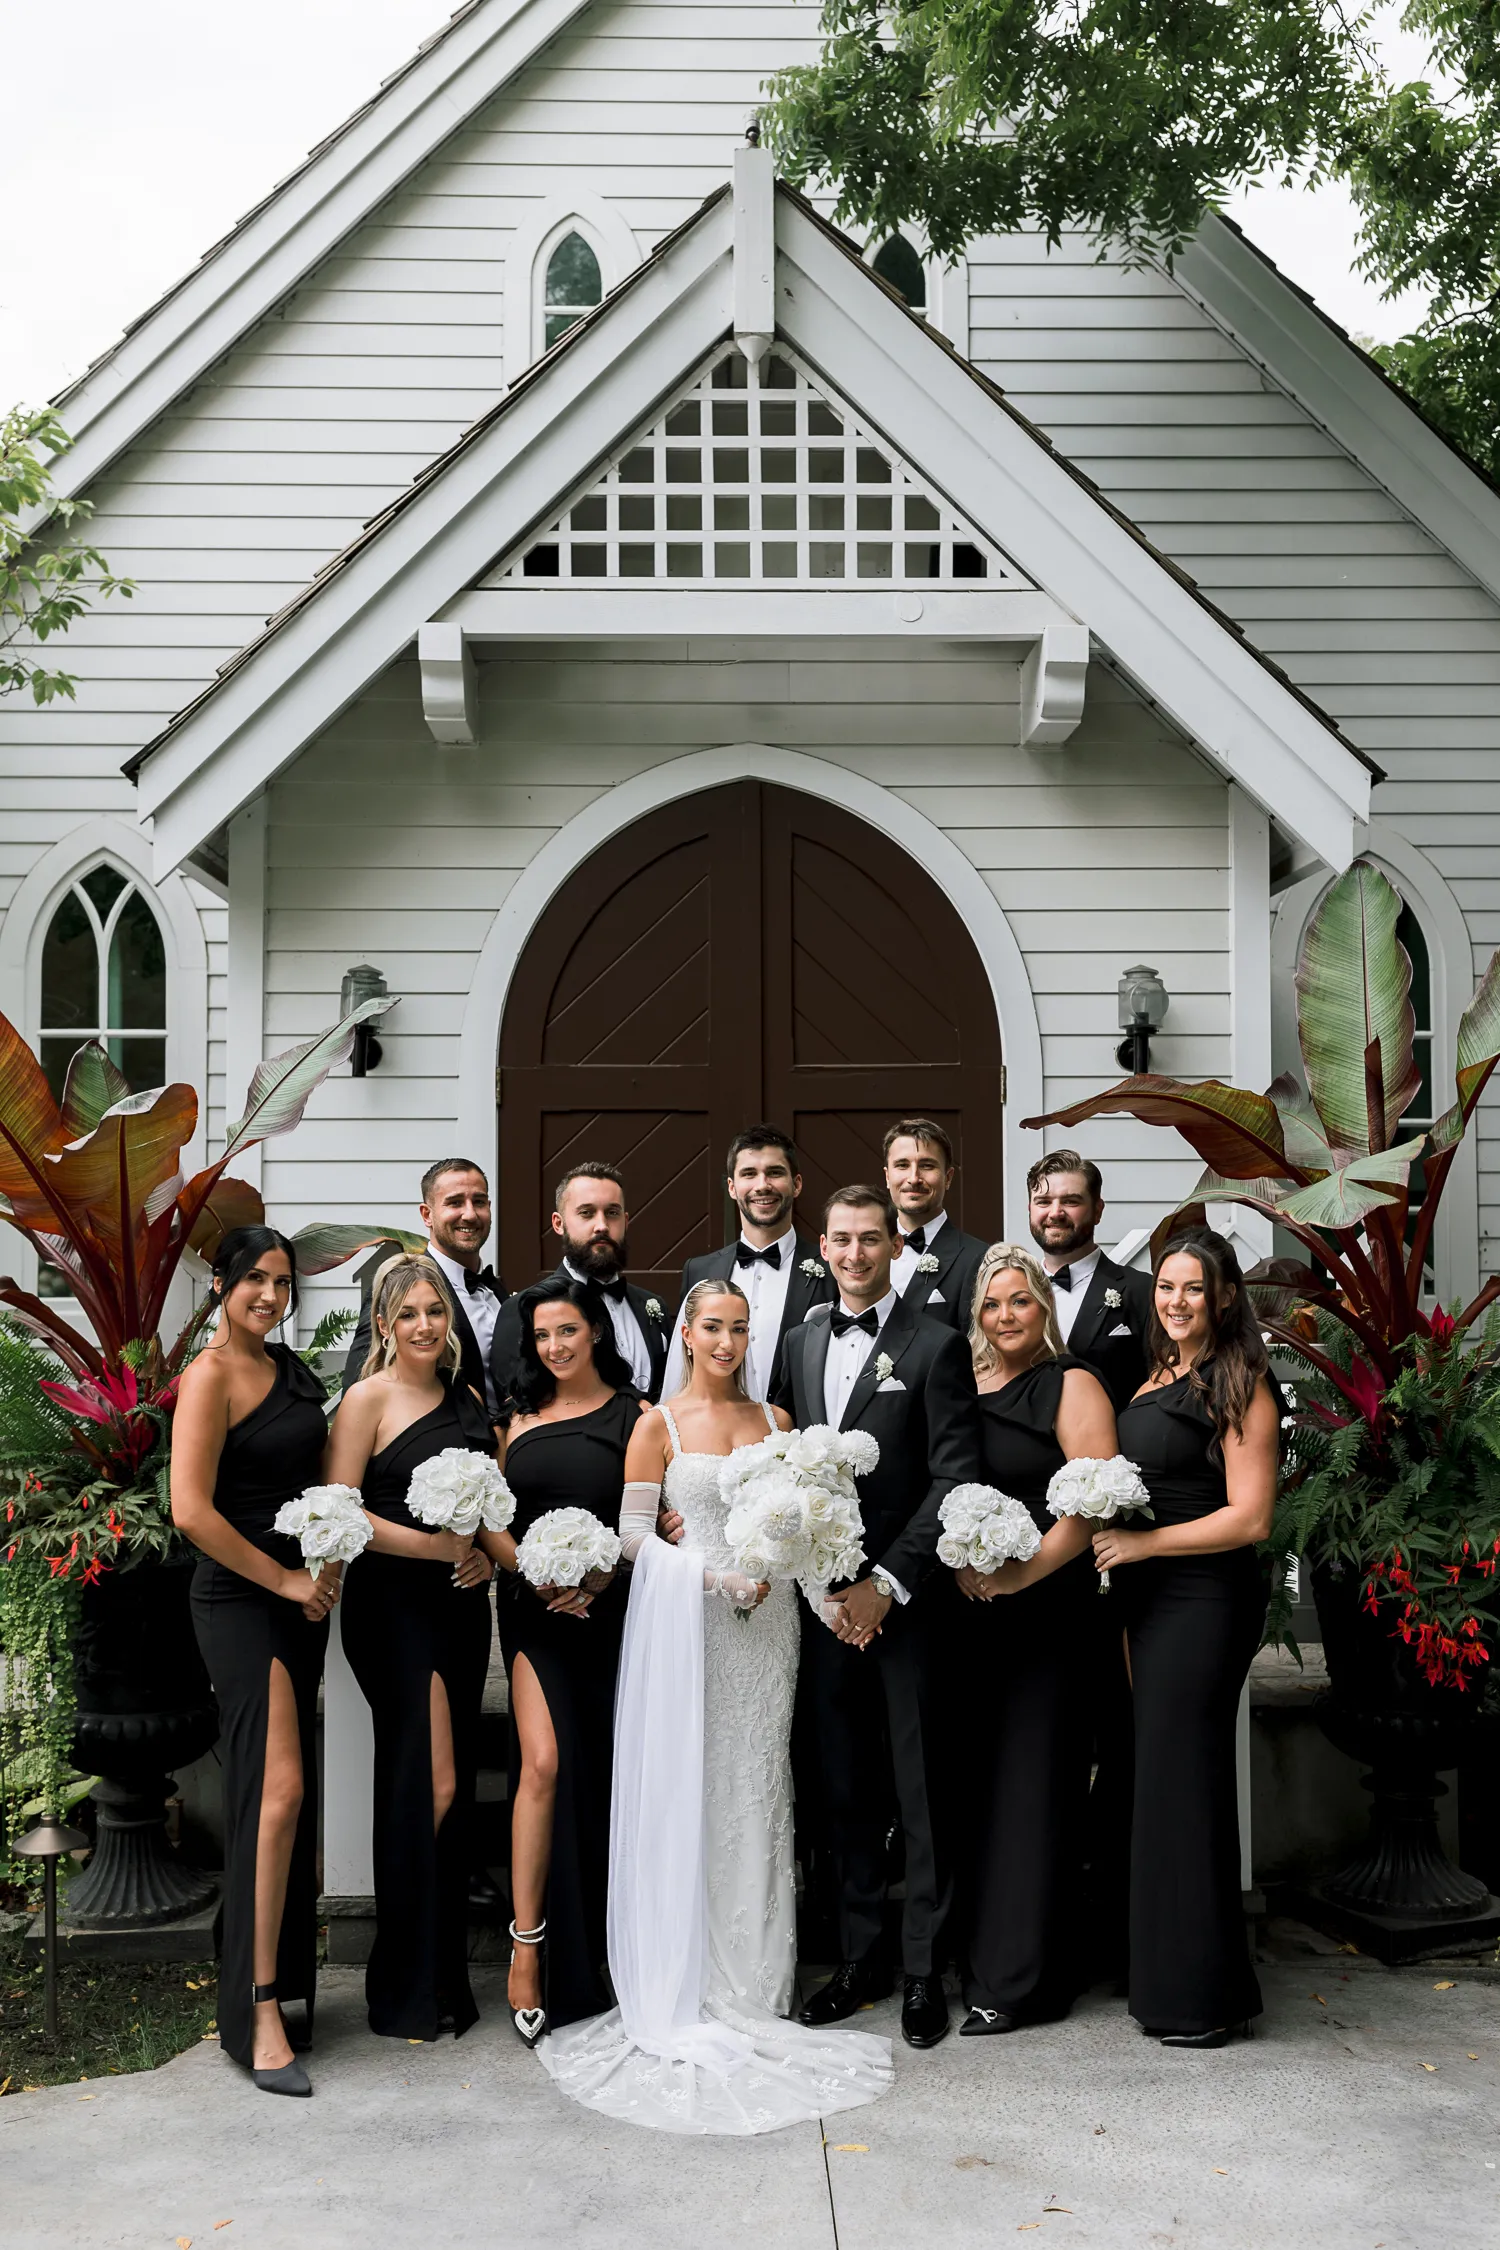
1004	1085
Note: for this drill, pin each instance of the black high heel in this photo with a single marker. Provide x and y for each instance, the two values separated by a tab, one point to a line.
1205	2039
530	2023
291	2078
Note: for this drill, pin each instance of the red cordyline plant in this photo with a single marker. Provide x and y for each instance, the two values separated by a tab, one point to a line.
1395	1392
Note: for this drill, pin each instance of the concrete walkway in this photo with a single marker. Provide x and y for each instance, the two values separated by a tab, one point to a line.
1327	2131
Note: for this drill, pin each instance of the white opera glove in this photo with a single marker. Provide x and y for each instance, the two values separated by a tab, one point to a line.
639	1504
732	1586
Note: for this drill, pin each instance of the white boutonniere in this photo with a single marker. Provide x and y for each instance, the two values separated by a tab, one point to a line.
653	1308
813	1268
885	1368
927	1263
1113	1299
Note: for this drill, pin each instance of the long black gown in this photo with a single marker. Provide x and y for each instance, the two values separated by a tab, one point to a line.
1027	1728
1193	1623
269	1457
574	1464
403	1620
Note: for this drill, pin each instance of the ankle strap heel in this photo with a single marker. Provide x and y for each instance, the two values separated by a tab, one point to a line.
530	2023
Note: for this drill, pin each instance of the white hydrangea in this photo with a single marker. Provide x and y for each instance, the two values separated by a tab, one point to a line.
1098	1489
983	1528
793	1508
329	1523
563	1546
460	1491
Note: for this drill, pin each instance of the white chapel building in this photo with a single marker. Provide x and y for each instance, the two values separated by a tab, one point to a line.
715	668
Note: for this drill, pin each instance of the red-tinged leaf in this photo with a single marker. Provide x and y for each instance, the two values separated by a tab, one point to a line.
1306	1138
60	1337
93	1085
30	1126
1348	1195
321	1247
108	1178
1238	1134
282	1086
1354	988
1476	1055
229	1203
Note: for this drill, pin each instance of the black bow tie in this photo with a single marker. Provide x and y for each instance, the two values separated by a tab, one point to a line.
483	1279
1063	1279
917	1240
744	1255
615	1288
868	1320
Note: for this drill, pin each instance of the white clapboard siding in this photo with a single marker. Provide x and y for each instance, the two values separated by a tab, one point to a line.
383	846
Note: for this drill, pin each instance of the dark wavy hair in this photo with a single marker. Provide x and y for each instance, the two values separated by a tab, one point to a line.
238	1251
533	1386
1227	1372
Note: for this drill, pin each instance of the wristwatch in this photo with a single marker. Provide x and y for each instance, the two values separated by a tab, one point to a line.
882	1585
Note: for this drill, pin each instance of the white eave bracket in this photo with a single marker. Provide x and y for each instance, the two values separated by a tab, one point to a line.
450	686
754	251
1053	680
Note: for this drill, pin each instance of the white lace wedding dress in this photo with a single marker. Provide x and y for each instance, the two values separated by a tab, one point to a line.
702	1930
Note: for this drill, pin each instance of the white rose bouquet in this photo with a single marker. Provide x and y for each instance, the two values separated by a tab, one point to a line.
460	1491
983	1528
329	1523
563	1546
1099	1491
793	1509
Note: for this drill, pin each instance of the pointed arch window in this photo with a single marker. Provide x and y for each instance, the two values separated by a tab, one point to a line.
573	286
899	264
104	976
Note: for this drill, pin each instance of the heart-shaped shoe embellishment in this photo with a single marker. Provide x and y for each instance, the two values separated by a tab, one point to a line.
529	2022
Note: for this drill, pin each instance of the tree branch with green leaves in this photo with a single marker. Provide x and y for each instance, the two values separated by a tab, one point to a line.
49	576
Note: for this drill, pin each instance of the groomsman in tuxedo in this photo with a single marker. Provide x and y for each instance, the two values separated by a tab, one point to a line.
590	1219
780	1271
455	1210
936	1262
1103	1309
875	1361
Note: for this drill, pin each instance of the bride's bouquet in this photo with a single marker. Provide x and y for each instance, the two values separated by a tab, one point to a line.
563	1546
983	1528
793	1509
460	1491
329	1523
1099	1490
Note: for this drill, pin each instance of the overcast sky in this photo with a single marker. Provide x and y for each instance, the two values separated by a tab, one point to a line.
138	131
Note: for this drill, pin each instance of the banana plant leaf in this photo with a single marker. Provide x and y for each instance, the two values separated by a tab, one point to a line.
1476	1055
283	1085
1354	990
230	1203
31	1128
320	1248
60	1337
1238	1134
93	1086
1350	1194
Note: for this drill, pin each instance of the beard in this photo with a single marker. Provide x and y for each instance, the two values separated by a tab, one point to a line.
1059	1239
753	1218
597	1258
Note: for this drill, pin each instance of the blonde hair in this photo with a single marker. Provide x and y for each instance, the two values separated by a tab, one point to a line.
393	1284
1009	1257
698	1295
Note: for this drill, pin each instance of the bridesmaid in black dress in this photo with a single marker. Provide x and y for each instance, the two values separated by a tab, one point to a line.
248	1435
573	1409
1204	1433
416	1630
1025	1687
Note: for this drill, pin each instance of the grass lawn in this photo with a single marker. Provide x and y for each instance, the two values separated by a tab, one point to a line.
112	2016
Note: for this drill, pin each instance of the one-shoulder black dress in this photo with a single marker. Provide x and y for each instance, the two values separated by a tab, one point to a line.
403	1620
1193	1623
269	1457
574	1464
1026	1726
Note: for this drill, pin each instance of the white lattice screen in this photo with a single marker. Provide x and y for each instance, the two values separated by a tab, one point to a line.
758	474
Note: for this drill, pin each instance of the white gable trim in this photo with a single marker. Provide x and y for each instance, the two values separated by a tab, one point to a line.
299	224
1311	360
955	875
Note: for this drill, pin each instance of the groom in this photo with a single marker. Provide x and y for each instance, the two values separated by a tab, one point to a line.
875	1361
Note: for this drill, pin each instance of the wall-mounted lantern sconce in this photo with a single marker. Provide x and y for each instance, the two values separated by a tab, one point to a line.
1143	1005
361	984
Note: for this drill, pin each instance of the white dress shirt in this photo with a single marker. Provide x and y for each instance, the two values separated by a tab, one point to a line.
629	1341
765	1288
481	1310
1067	1301
846	1356
904	1264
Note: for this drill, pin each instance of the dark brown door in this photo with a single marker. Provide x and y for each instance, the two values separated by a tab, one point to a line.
749	954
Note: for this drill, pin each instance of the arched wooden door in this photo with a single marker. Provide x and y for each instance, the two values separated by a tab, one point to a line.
748	954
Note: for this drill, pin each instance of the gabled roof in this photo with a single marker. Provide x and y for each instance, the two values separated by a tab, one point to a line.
601	383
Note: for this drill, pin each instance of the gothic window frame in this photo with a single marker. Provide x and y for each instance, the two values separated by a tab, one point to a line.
607	233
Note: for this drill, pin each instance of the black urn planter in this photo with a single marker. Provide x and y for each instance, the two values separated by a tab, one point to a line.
145	1707
1400	1896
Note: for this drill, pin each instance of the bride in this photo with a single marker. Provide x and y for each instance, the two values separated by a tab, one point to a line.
702	1928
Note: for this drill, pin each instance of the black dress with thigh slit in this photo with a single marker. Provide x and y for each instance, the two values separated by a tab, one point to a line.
574	1464
1193	1623
405	1622
1026	1726
269	1457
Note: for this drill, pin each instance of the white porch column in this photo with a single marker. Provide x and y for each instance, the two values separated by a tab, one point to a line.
348	1768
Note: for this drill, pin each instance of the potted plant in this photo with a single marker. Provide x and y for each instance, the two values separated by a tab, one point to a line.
101	1668
1391	1484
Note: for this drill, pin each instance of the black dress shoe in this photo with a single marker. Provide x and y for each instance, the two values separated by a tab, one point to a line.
924	2012
851	1986
1219	2038
485	1895
985	2023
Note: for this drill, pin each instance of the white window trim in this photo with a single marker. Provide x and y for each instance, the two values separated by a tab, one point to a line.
947	306
607	234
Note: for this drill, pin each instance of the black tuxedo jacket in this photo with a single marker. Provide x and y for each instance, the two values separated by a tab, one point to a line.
948	1294
506	1348
1118	1360
468	1344
803	1291
928	1430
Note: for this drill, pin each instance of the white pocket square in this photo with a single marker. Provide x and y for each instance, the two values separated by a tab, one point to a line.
891	1383
936	1298
1121	1329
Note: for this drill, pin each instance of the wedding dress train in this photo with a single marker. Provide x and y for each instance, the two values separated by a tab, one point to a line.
702	1932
